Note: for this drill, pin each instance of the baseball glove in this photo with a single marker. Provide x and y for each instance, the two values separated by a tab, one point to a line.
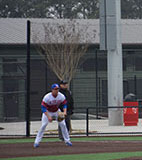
61	116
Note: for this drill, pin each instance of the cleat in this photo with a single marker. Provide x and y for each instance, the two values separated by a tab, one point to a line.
36	145
68	143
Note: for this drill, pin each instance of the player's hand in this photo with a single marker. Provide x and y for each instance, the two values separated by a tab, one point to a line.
50	119
48	116
65	113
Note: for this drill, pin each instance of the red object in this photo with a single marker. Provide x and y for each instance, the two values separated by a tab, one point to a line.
130	115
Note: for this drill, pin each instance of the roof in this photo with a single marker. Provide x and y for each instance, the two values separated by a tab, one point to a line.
14	30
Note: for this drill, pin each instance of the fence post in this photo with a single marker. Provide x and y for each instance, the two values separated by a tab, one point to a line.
96	66
135	85
28	82
87	121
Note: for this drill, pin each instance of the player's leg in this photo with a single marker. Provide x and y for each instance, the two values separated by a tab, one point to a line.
59	128
67	120
60	133
65	132
41	130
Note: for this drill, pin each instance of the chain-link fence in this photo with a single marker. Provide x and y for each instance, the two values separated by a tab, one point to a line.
13	94
88	86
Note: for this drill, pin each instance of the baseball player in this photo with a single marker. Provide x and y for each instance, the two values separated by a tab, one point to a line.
49	107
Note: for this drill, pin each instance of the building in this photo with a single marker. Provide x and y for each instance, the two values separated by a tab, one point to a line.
89	85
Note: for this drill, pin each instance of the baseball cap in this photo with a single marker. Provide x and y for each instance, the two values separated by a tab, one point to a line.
55	86
63	82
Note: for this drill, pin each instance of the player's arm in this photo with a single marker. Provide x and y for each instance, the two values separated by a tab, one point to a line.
64	104
44	110
65	109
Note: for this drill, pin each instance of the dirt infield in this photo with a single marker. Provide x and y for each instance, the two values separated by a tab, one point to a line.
59	148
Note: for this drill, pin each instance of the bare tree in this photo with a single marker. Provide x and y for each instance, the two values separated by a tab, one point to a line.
62	45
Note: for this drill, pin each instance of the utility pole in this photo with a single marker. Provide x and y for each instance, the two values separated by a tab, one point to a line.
110	40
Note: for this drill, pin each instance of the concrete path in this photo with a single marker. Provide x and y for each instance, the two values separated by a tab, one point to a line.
78	127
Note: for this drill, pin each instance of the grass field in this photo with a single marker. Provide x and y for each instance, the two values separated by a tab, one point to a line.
24	140
97	156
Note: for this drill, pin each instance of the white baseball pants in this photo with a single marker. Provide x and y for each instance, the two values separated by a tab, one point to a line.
45	122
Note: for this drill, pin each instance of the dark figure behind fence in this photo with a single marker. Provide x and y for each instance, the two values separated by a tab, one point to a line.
67	93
